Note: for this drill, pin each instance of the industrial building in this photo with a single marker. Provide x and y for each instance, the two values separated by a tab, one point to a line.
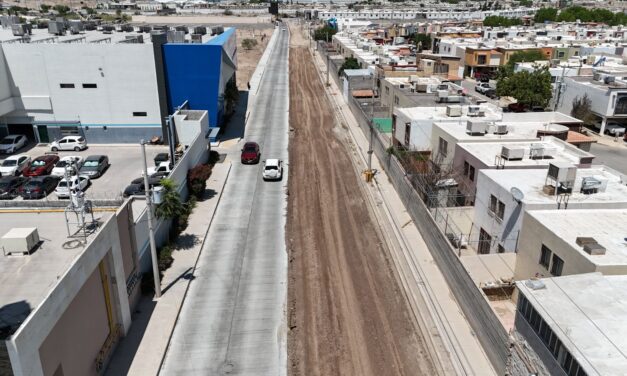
111	85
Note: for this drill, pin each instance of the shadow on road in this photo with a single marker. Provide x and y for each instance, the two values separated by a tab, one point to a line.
234	127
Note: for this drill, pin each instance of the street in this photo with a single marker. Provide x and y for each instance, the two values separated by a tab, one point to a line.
232	319
469	84
611	156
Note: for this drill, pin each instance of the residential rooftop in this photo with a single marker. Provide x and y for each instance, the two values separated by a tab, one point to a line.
520	132
438	113
532	181
587	312
537	153
602	224
29	278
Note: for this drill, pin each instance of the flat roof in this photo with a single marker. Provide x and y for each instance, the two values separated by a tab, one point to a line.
438	113
560	151
515	132
98	36
531	182
587	312
604	225
30	278
543	117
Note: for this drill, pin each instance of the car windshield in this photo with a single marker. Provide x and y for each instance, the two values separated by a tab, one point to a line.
80	139
4	184
9	163
271	168
39	163
62	184
33	183
62	164
91	164
249	149
6	141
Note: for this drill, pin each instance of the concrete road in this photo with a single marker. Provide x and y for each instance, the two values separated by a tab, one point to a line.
233	320
612	156
469	84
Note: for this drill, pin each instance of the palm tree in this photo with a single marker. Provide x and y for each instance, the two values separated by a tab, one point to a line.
171	206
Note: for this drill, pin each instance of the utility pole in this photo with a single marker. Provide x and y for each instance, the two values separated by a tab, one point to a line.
328	66
558	88
153	246
369	171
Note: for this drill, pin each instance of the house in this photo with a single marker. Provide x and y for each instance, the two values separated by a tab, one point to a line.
503	196
573	241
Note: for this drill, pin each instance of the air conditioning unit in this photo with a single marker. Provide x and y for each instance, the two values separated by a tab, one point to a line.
202	30
19	30
562	172
512	153
56	28
196	38
476	127
475	111
536	151
20	241
453	111
500	129
76	26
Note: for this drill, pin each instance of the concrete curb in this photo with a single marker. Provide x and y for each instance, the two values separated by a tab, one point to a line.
202	245
257	76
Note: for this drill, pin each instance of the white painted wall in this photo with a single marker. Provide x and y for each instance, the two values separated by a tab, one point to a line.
6	102
125	75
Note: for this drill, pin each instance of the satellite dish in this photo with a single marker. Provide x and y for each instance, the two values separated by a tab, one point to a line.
517	194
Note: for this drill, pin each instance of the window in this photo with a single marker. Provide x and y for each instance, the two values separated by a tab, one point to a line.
621	105
493	203
67	86
466	168
485	242
560	54
407	133
90	86
140	114
557	266
481	59
396	100
471	173
545	256
500	213
443	147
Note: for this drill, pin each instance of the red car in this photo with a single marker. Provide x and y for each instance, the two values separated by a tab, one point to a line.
41	165
250	153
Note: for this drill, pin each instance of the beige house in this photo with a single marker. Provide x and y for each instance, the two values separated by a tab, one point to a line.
573	241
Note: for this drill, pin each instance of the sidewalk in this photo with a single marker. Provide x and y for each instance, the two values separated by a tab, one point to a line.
418	271
142	350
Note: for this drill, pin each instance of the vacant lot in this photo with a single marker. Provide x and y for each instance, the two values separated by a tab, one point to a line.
347	314
247	59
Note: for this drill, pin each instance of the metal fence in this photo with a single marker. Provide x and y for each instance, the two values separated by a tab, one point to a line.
428	214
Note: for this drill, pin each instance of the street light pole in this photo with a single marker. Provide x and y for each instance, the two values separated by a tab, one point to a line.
153	246
371	125
328	66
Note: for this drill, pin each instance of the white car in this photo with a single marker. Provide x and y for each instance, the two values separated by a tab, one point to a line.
73	162
272	169
163	167
14	165
483	87
76	143
65	186
12	143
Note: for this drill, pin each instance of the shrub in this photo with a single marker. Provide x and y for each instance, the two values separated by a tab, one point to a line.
197	180
249	44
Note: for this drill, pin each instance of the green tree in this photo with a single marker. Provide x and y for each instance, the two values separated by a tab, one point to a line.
525	3
44	8
422	41
231	95
529	88
493	21
349	63
545	14
62	9
582	109
525	56
324	33
171	207
248	43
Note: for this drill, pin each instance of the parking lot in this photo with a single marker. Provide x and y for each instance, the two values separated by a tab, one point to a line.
125	161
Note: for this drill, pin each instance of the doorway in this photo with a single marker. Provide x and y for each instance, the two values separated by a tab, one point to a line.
42	132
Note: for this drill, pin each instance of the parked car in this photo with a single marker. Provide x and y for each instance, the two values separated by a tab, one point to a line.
76	143
136	188
9	186
250	153
94	166
66	186
516	107
482	87
38	187
14	165
163	167
71	162
273	169
614	129
161	157
41	165
538	109
12	143
491	93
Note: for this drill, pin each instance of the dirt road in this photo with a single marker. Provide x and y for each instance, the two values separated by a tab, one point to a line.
347	314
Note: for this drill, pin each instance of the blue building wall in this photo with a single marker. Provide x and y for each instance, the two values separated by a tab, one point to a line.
192	73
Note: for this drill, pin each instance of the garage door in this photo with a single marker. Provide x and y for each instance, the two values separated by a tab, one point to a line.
25	129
